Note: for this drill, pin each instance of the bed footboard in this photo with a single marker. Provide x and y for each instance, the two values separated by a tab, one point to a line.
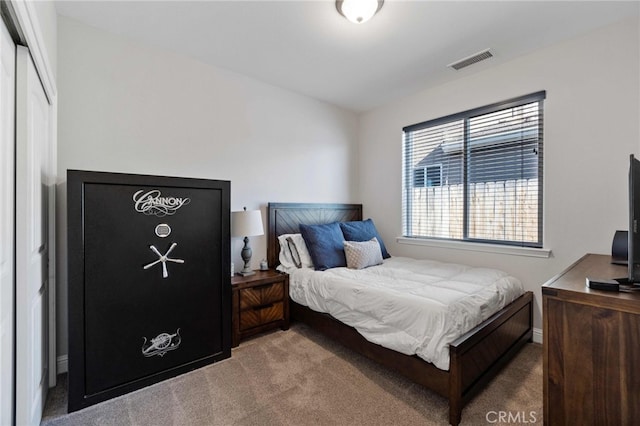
477	356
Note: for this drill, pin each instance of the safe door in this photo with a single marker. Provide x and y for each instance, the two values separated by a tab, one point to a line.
150	289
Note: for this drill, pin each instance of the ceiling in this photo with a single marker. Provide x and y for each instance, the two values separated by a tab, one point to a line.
307	47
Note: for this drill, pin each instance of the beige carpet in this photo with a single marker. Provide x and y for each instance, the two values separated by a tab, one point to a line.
298	377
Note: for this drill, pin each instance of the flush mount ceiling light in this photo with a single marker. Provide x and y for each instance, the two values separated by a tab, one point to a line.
358	11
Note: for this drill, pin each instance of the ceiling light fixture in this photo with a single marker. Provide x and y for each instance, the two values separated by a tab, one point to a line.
358	11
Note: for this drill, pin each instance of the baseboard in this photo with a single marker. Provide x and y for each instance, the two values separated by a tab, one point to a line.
537	335
63	363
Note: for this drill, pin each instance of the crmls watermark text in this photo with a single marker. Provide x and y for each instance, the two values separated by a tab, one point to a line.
511	417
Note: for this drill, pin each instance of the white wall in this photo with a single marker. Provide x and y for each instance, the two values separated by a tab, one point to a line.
592	115
125	107
47	22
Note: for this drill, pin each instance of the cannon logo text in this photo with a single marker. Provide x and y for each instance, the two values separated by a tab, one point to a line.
152	203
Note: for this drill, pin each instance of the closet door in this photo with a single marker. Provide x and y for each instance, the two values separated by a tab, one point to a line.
7	222
32	154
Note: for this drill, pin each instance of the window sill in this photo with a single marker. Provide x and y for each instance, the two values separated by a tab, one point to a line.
485	248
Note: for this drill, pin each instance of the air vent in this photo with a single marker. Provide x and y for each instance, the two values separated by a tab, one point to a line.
470	60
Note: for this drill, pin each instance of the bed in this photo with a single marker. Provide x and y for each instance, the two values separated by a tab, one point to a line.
474	358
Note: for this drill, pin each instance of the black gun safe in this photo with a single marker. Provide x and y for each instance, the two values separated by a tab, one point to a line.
149	280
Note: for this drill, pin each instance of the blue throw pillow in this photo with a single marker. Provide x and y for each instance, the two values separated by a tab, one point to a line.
363	230
325	244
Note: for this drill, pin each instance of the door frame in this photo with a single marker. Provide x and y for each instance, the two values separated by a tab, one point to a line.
7	223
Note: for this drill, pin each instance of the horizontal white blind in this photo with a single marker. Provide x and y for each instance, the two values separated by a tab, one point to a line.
476	175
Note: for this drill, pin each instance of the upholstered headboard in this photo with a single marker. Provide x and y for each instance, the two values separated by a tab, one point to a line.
285	218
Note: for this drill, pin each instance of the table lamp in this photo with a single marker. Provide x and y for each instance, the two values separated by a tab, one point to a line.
246	224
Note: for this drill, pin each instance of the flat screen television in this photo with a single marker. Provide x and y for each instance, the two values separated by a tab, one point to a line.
633	249
630	283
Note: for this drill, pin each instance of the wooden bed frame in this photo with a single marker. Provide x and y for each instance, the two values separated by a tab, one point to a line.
475	358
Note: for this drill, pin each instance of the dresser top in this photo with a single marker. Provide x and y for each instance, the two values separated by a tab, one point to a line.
571	283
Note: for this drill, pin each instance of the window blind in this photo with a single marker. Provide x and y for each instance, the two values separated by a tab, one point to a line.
476	175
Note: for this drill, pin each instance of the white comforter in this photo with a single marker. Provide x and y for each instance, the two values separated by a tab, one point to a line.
408	305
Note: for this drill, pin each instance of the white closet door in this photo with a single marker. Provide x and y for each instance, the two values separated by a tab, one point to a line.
32	154
7	222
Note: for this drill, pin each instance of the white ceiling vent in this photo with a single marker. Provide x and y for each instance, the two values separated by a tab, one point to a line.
469	60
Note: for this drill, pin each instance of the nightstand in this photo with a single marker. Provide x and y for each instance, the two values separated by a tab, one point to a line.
260	303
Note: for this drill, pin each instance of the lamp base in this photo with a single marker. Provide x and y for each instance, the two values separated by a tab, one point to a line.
246	257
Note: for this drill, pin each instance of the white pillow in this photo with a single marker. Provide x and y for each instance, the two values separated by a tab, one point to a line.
362	254
294	252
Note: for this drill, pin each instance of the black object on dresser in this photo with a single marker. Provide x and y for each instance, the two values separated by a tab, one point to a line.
149	287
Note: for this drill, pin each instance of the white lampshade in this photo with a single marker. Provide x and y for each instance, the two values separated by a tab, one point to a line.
246	223
358	11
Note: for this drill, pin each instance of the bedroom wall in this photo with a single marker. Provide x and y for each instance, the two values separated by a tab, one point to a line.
47	22
591	126
125	107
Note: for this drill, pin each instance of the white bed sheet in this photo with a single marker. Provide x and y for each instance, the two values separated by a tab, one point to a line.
408	305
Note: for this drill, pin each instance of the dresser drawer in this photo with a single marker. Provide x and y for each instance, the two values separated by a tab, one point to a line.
261	314
254	297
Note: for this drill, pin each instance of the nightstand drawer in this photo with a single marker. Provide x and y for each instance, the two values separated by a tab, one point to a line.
253	297
261	314
260	303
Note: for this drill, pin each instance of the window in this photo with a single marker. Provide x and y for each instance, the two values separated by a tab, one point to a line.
427	176
476	175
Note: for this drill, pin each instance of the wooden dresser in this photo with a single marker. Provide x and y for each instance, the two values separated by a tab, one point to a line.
260	303
591	348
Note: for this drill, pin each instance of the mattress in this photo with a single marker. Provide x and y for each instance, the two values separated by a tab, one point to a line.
407	305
